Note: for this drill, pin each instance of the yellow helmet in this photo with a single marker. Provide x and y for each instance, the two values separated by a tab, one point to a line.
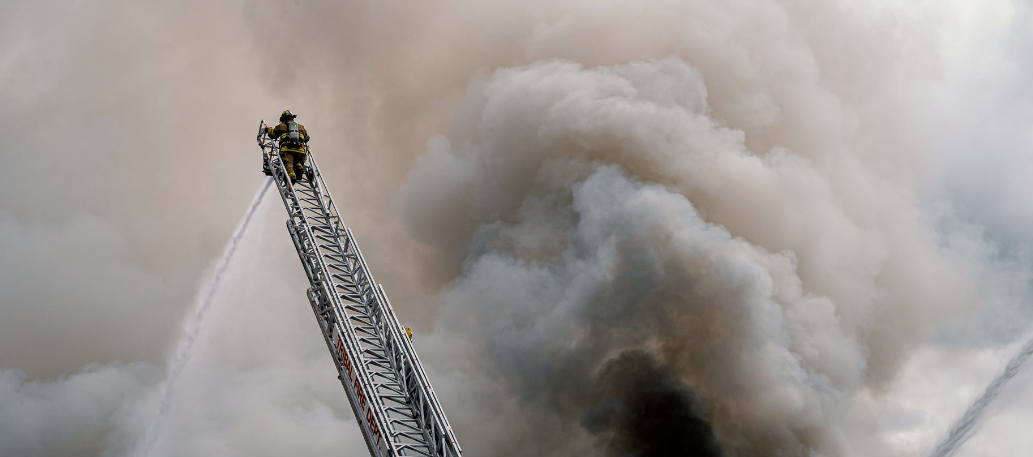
287	115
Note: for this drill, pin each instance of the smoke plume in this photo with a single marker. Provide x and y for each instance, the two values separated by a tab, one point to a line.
605	209
585	209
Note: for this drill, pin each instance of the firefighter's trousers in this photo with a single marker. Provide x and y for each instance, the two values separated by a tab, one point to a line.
291	159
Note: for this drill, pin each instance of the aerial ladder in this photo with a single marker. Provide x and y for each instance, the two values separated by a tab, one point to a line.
389	392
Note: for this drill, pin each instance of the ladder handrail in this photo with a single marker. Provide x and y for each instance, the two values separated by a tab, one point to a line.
388	389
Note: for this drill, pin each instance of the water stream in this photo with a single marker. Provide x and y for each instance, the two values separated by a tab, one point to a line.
202	304
969	422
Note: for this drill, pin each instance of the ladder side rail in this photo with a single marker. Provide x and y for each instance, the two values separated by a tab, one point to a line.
373	363
363	394
333	215
295	210
388	321
382	351
388	374
436	425
290	201
350	361
391	328
328	206
271	153
347	243
333	219
452	447
333	327
380	377
326	317
364	283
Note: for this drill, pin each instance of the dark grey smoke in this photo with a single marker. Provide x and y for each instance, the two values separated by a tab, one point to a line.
601	209
969	422
644	410
631	266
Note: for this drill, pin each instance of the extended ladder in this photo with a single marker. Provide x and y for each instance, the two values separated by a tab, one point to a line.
393	401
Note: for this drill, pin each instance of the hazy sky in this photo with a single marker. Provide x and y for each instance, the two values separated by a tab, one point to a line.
835	194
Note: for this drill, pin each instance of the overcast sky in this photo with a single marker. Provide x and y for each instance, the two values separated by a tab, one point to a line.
837	194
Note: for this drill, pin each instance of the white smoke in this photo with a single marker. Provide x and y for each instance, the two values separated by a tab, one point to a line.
90	412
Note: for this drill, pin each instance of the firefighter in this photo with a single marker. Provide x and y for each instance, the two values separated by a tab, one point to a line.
293	141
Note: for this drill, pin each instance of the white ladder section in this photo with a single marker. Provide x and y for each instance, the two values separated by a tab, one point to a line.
389	392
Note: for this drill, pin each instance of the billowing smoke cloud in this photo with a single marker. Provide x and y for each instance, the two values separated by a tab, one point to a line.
713	206
601	210
88	413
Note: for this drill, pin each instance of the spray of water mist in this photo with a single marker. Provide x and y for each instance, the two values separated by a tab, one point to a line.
193	327
969	422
